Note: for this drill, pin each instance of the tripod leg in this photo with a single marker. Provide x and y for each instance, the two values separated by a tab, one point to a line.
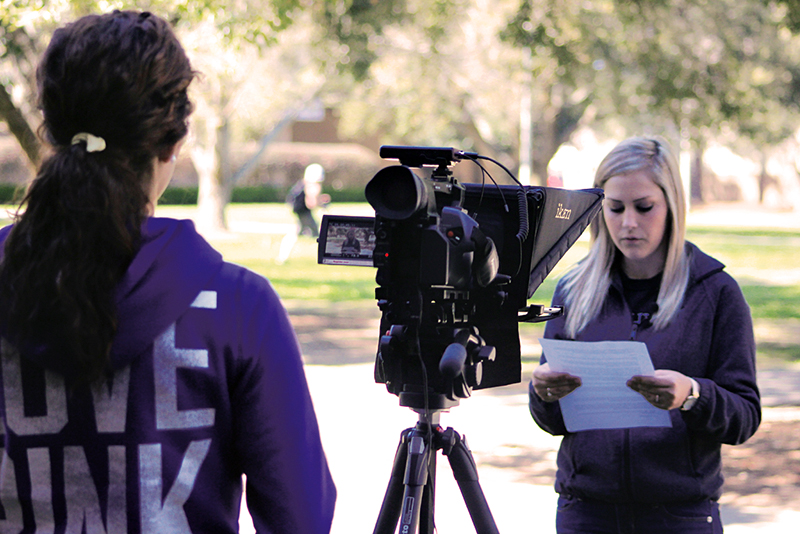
392	500
416	478
426	523
465	473
409	487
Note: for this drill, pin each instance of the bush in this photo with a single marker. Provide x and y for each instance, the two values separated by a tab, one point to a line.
355	194
255	194
11	193
179	196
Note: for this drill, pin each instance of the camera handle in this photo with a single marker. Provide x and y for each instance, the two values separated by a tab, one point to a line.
410	494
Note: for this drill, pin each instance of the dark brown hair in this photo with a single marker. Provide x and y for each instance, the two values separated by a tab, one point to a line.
123	77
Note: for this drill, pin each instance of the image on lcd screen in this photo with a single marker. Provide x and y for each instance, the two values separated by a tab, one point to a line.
348	240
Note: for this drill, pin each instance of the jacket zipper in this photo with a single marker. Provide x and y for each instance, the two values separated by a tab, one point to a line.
626	442
627	477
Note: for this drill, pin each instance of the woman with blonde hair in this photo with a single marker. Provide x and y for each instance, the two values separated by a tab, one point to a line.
642	281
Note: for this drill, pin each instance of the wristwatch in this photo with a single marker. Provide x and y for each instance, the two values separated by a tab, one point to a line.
693	396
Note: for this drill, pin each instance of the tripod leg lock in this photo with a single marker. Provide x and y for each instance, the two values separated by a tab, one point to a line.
461	460
417	462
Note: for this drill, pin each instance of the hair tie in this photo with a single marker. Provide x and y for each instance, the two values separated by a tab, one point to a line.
93	143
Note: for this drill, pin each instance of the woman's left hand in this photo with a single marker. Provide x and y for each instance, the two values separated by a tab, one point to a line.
666	390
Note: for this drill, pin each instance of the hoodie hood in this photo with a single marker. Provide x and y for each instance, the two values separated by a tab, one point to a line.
172	266
703	265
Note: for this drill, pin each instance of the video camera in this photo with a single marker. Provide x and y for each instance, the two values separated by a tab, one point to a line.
456	264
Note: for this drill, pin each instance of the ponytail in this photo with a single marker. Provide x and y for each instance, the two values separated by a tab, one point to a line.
122	78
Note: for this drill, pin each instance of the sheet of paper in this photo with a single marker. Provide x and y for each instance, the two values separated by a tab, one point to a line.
603	400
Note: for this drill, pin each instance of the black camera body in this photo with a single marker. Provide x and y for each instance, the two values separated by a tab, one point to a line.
431	258
456	264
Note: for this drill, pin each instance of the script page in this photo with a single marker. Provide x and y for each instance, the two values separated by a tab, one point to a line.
604	400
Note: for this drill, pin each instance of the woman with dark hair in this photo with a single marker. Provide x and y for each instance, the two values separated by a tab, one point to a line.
142	375
642	281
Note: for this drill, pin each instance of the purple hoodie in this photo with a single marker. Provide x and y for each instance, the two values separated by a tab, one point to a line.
208	385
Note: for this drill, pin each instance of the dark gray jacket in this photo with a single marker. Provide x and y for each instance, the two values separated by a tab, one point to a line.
711	340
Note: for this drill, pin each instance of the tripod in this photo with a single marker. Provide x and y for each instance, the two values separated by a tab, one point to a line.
410	495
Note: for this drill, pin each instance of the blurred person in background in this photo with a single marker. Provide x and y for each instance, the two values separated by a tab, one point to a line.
304	197
142	375
642	281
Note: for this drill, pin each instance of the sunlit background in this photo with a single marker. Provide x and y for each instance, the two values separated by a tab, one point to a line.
545	89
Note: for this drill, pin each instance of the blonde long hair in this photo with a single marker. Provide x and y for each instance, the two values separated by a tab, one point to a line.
587	284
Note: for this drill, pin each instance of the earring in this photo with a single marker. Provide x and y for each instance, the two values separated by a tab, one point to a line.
173	158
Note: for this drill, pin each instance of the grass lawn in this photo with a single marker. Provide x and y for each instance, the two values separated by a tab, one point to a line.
764	262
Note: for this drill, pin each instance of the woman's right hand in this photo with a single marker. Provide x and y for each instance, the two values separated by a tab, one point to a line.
551	385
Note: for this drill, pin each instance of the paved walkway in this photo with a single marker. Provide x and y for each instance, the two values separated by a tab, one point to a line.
361	423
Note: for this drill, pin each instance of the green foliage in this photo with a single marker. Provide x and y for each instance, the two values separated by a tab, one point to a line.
788	11
253	21
704	66
356	24
433	71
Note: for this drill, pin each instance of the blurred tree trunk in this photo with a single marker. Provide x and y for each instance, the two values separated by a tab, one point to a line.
763	177
19	127
559	116
210	155
696	177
